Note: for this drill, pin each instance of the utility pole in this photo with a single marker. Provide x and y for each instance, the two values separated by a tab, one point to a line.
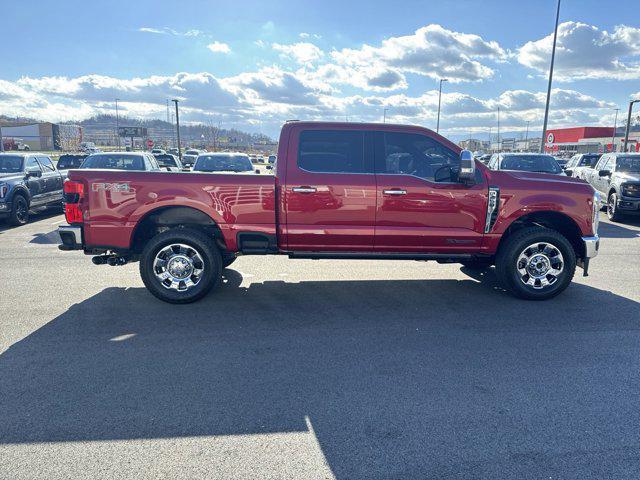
439	101
626	133
553	57
178	129
117	125
526	137
1	141
613	137
384	115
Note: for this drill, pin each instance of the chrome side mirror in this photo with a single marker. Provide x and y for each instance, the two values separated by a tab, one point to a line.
467	167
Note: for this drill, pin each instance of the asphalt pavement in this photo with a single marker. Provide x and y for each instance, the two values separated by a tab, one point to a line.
316	369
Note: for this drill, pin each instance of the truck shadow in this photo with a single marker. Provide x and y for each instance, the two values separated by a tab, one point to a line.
617	230
398	378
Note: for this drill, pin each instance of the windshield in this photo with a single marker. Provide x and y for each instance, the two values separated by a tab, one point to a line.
166	161
223	163
10	164
628	164
531	163
589	160
191	152
70	161
114	161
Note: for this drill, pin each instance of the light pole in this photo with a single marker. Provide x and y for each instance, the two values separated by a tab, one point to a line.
117	125
526	137
178	129
384	115
499	143
613	137
553	57
439	101
626	133
1	141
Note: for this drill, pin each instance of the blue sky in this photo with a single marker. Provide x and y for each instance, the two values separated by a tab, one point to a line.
252	65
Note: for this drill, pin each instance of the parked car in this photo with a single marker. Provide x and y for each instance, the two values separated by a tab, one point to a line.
27	181
224	163
189	157
525	162
23	147
581	164
617	177
485	158
272	159
415	195
158	151
69	161
140	161
168	162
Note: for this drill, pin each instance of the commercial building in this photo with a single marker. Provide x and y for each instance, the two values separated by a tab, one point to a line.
590	139
43	136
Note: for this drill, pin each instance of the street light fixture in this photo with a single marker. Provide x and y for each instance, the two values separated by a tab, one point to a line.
553	57
626	133
439	100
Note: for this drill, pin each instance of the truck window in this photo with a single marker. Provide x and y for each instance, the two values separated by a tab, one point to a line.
329	151
418	155
46	163
32	163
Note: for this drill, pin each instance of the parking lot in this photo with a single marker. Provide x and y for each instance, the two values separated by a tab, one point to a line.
301	369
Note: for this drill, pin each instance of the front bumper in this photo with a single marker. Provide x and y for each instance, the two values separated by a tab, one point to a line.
71	237
5	209
591	248
628	204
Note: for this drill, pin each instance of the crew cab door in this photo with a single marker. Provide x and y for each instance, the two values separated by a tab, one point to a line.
329	190
421	206
34	184
51	181
607	162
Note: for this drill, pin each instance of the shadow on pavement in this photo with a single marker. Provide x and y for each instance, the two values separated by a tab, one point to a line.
40	214
401	378
617	230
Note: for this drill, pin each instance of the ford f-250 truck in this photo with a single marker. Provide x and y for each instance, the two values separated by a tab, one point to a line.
340	191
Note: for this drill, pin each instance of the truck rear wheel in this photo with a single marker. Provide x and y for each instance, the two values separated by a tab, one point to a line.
536	263
180	265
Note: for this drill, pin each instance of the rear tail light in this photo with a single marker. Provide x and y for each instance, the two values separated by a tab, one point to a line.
73	193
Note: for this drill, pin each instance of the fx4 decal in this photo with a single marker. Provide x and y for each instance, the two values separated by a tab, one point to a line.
111	187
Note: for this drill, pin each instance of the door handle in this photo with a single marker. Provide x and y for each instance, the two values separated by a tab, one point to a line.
395	191
304	189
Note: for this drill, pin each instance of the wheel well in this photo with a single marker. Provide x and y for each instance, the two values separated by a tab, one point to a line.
553	220
166	218
20	192
611	190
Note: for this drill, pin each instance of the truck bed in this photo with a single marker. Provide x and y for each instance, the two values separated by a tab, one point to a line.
115	201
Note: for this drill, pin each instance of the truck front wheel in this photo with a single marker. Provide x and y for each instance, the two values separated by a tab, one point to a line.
180	265
536	263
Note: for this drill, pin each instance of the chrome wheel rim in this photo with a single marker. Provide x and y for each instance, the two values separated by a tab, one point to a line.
21	211
611	206
178	267
540	265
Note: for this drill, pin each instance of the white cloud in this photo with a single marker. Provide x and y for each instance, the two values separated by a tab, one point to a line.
310	35
586	52
301	52
219	47
170	31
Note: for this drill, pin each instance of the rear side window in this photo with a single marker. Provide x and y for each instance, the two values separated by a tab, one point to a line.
418	155
332	151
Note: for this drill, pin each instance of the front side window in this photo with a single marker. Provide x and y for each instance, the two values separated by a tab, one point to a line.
339	151
589	160
32	164
46	163
418	155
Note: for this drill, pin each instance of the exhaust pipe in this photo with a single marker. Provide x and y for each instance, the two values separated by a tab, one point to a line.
99	260
112	260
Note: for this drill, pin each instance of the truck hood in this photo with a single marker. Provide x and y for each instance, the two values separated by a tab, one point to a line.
544	177
627	177
11	176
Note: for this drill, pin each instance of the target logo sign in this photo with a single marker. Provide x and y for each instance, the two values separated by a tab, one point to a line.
550	138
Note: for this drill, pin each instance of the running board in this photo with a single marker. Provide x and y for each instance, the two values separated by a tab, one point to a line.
442	257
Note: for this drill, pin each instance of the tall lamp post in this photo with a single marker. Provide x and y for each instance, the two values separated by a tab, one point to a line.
553	57
613	137
439	101
178	129
626	132
384	115
526	137
117	125
1	141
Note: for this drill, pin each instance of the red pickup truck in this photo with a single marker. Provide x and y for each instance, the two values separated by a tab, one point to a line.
340	191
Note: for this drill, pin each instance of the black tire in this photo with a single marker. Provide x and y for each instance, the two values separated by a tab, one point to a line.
205	248
228	259
19	211
613	213
515	245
